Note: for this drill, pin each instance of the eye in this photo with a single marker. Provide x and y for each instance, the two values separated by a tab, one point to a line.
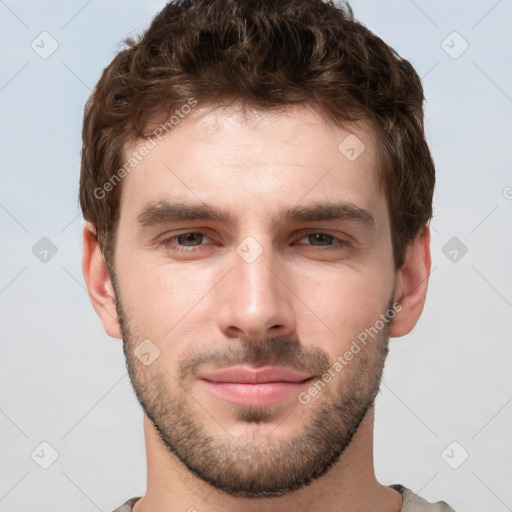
193	240
184	241
324	240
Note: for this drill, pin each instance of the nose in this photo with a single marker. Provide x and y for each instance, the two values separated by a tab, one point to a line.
255	299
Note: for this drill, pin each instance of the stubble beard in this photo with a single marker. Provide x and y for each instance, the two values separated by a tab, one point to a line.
259	465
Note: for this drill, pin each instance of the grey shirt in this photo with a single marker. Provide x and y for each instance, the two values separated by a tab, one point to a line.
411	502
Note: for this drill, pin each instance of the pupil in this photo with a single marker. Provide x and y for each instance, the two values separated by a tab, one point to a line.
318	237
188	237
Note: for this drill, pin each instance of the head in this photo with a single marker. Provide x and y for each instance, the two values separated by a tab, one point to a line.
257	188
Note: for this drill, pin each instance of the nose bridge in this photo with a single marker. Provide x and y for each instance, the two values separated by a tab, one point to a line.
255	302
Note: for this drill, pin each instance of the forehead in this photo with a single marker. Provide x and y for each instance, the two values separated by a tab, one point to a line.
254	160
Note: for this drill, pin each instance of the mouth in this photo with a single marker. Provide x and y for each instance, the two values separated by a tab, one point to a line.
247	386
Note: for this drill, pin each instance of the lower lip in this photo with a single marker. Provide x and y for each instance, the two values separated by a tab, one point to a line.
256	394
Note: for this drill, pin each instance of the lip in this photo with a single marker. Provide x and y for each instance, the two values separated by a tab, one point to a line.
243	385
248	375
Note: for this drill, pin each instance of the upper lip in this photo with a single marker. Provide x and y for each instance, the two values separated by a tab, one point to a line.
245	374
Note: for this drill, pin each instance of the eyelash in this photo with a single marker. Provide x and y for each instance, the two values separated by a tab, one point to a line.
169	243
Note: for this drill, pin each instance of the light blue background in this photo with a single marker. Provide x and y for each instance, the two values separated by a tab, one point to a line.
63	380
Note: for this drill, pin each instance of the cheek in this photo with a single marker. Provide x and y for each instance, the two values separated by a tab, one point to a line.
338	305
164	300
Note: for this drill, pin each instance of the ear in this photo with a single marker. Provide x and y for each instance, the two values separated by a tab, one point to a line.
411	285
99	285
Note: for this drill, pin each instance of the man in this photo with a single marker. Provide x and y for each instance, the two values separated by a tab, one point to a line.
257	189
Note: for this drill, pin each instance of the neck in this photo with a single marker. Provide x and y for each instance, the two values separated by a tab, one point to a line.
350	484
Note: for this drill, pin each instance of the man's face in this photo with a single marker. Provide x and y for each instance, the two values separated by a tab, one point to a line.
254	291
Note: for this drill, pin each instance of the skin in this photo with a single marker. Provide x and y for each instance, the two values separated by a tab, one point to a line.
301	302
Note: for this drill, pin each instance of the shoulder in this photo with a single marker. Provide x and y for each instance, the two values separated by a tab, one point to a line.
127	506
414	503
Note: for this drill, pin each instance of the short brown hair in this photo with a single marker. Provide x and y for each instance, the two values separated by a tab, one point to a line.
266	54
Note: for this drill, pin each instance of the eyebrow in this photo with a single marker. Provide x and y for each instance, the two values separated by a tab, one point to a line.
167	211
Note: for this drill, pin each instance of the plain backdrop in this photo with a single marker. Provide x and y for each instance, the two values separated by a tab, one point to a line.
444	414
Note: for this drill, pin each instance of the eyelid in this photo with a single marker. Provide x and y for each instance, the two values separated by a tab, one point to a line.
339	240
170	240
324	231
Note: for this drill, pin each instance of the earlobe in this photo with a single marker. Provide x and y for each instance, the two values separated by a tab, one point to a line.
97	280
411	285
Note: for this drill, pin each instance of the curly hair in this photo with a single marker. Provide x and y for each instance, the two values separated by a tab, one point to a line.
266	54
